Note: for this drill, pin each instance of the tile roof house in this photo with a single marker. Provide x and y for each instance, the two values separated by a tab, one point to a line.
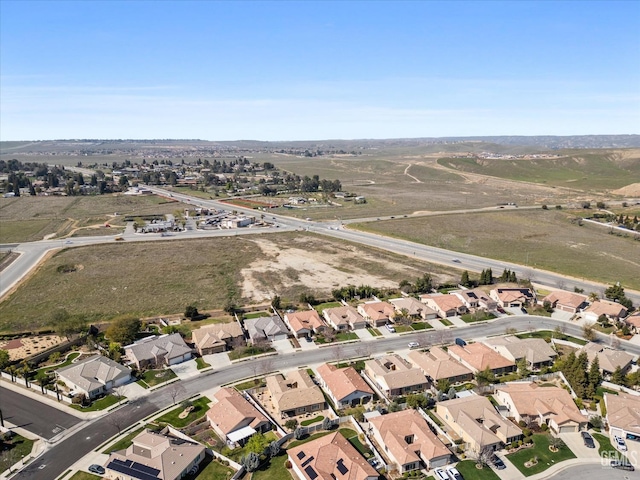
608	358
478	423
345	385
329	458
344	318
216	338
513	297
94	376
444	305
437	364
377	313
294	394
551	405
234	418
267	329
154	456
612	310
623	414
475	299
477	356
305	323
414	307
408	441
535	351
633	321
566	301
395	376
155	352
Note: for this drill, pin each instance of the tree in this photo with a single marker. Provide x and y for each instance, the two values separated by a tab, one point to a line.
416	400
484	377
298	433
464	280
327	424
617	376
175	389
291	424
616	293
276	301
191	312
588	332
443	384
273	449
4	359
257	443
123	330
452	393
483	456
555	443
523	367
595	377
251	461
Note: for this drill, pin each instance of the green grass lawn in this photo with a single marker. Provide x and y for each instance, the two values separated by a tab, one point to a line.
364	449
403	328
420	325
296	443
84	476
250	384
348	432
606	449
467	469
344	336
97	405
540	449
201	405
210	469
374	332
249	351
18	447
319	308
201	363
124	442
311	421
256	315
445	322
151	378
50	368
274	470
477	317
548	334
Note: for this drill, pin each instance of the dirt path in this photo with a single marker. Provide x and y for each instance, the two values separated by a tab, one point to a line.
406	172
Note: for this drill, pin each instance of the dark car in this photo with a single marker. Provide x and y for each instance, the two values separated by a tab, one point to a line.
497	462
622	465
99	469
460	342
588	440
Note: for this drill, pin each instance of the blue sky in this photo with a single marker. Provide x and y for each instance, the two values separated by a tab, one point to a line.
317	70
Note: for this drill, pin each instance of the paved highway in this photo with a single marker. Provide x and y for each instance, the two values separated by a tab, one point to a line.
63	454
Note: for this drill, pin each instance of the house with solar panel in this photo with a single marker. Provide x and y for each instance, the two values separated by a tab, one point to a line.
328	458
155	456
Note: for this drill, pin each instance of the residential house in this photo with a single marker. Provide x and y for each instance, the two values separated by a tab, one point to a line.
217	338
474	419
513	297
294	394
623	414
612	310
395	376
405	437
633	321
156	352
444	305
414	307
377	313
437	365
535	351
94	376
475	299
154	456
551	405
344	318
345	386
566	301
266	329
478	357
234	418
608	358
330	457
305	323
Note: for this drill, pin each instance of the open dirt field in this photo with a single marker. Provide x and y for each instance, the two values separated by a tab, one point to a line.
107	281
23	347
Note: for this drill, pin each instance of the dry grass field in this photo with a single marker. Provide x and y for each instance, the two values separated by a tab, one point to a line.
164	277
546	239
26	219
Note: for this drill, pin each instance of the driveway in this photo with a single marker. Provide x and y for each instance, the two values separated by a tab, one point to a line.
576	444
217	360
283	346
132	391
437	324
185	370
564	316
304	345
363	334
457	321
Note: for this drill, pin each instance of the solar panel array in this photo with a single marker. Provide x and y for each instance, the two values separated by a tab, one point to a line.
134	469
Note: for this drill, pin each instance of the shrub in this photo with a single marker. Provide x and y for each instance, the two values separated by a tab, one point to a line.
287	464
544	427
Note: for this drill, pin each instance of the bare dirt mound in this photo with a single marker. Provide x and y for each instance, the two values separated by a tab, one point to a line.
632	190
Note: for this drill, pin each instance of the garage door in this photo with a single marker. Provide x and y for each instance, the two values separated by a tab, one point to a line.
567	429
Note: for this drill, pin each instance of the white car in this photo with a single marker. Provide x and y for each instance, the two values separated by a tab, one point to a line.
440	474
454	474
413	344
390	327
620	445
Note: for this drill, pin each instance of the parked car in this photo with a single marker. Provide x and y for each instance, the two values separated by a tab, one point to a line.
456	260
620	445
99	469
308	339
440	474
413	344
454	474
622	465
497	462
390	327
460	342
588	440
501	310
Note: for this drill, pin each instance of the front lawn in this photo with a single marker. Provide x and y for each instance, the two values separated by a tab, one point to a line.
540	449
478	316
374	332
606	449
124	442
17	448
200	407
445	322
151	378
467	469
249	351
548	334
201	363
344	336
420	325
84	476
97	405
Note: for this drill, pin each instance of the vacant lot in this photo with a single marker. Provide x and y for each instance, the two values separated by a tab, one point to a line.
546	239
26	219
149	280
